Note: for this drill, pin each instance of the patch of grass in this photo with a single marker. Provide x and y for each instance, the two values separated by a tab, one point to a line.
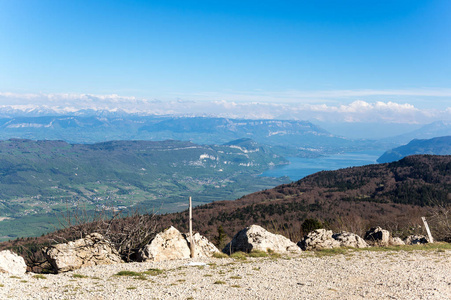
330	252
133	274
181	280
208	275
239	255
2	285
14	276
219	282
131	288
24	281
79	276
236	286
235	277
213	265
258	253
127	273
273	254
220	255
153	272
39	276
438	246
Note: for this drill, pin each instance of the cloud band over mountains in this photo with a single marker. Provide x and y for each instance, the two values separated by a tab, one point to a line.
302	109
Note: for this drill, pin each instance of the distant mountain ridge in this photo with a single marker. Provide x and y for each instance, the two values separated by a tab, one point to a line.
432	130
287	137
359	130
437	146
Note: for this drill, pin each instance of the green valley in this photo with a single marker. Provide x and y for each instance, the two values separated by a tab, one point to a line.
40	180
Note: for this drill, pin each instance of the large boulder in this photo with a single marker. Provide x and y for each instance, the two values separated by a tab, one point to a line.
416	239
12	263
319	239
348	239
396	241
92	250
171	244
378	236
167	245
203	247
257	238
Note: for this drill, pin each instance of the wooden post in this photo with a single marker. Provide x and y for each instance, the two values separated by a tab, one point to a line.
431	240
191	240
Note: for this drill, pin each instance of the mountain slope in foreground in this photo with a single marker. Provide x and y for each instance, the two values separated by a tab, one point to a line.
393	195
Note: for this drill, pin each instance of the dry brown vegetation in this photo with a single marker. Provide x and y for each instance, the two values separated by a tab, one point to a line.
126	233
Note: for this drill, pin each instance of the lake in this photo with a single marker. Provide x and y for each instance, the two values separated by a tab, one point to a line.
301	167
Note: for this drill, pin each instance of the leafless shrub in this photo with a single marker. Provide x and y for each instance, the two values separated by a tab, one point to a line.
126	233
440	222
351	223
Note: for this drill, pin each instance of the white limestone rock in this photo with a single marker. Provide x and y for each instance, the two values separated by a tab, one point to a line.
416	240
348	239
171	244
12	263
167	245
319	239
396	241
203	247
94	249
257	238
378	236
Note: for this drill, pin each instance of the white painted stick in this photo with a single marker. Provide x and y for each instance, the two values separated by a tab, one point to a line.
431	240
191	240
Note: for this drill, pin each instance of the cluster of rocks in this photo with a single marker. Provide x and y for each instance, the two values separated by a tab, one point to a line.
256	238
171	244
94	249
326	239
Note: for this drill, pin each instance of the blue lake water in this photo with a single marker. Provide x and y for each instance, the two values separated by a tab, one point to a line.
301	167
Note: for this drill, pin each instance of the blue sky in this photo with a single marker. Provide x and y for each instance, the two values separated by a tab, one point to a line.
331	53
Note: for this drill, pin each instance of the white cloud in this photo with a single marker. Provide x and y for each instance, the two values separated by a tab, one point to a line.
334	96
348	111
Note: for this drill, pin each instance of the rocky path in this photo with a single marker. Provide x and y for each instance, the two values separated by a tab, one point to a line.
355	275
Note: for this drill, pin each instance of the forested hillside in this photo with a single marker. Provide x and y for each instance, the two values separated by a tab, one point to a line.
393	195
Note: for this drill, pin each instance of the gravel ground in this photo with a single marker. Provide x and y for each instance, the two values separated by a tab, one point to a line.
355	275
